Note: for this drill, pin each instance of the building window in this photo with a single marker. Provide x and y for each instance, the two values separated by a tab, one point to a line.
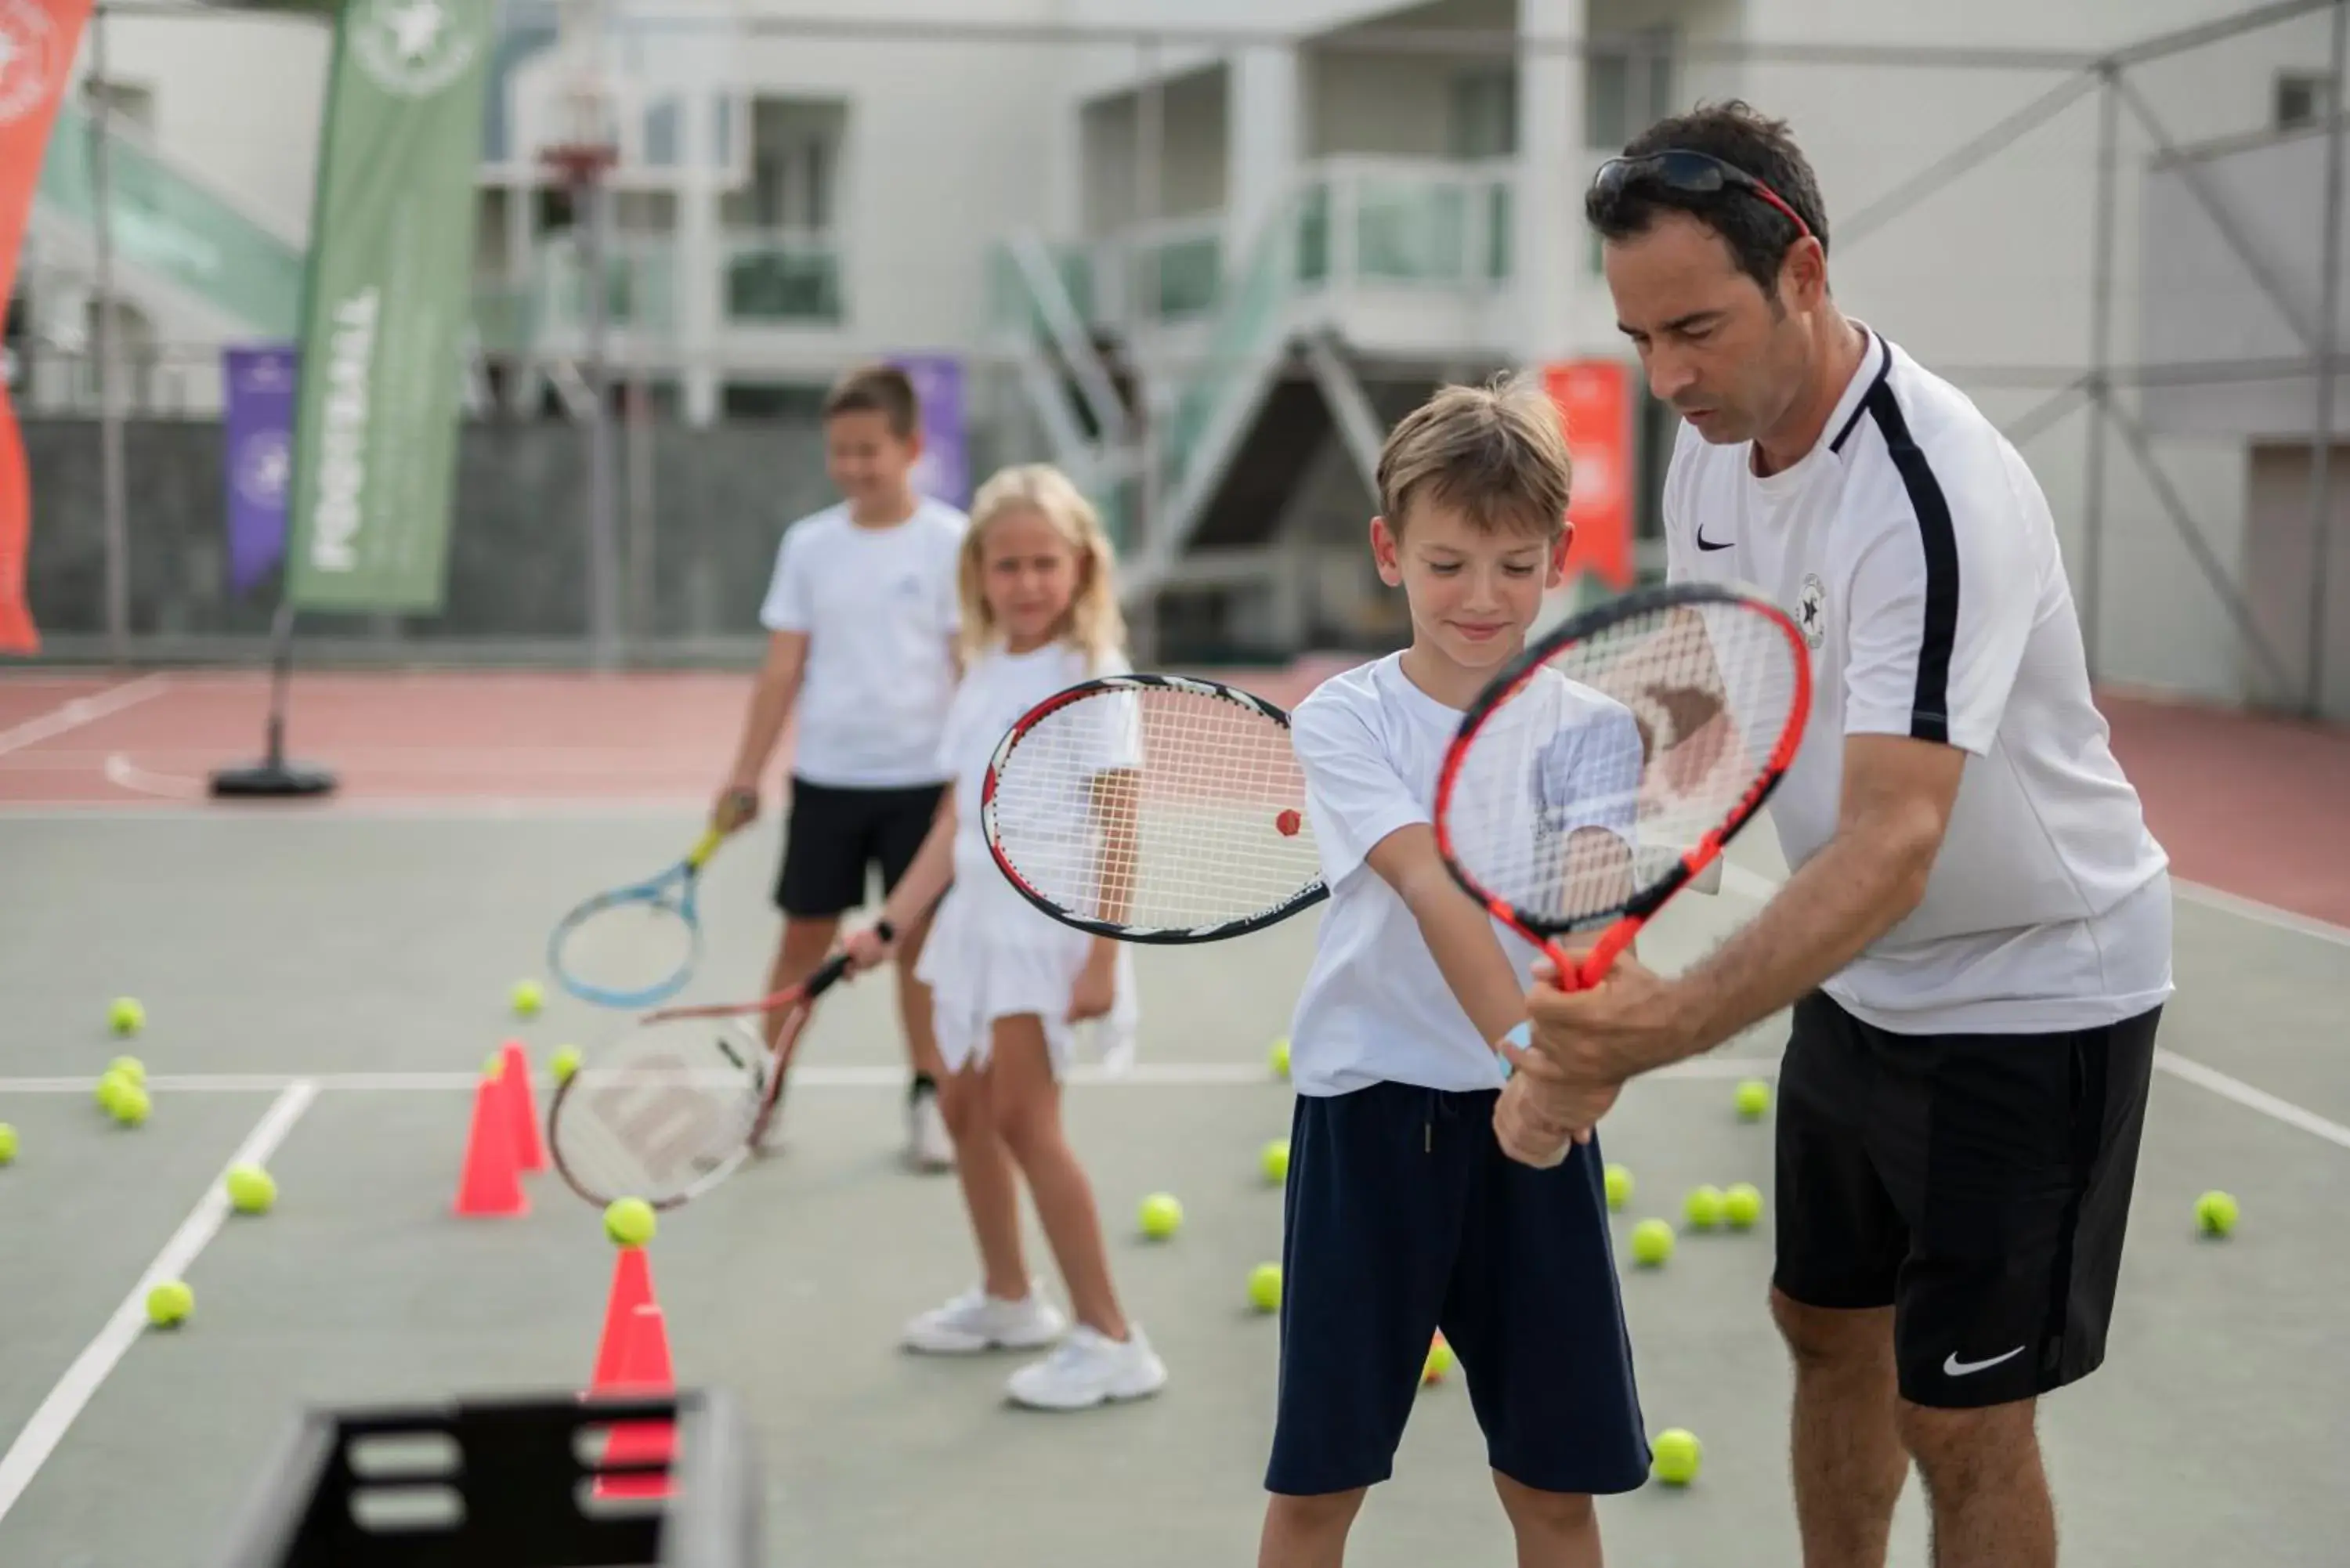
1626	89
2303	98
794	157
1484	114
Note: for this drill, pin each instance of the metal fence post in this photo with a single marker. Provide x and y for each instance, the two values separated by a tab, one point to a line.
2321	438
2100	381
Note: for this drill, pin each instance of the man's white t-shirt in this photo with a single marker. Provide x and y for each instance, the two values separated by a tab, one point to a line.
1375	1008
1916	549
880	611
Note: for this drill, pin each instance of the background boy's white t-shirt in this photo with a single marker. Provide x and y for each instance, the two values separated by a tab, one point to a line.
1375	1007
879	609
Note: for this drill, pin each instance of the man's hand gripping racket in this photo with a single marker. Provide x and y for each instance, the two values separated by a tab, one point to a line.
1607	769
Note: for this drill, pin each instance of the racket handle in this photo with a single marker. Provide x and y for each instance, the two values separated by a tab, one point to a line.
1523	1037
704	848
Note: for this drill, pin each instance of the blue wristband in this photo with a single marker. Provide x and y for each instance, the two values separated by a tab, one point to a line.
1523	1037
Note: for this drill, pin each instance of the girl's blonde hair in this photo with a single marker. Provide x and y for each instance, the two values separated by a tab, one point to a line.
1094	622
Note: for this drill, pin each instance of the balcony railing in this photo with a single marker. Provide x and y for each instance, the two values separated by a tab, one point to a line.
1386	221
783	277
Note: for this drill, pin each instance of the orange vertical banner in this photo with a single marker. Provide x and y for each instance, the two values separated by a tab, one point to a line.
38	39
1594	403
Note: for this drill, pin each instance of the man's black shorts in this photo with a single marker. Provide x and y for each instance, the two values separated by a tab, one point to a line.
837	836
1978	1184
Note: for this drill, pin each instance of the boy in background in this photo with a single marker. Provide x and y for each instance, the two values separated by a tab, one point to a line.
862	614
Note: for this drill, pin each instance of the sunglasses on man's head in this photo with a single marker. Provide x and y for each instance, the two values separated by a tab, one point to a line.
1689	173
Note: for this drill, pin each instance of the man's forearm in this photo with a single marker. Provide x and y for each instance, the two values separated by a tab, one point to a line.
1845	897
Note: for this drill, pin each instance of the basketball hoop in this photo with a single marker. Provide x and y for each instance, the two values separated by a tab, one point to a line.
580	162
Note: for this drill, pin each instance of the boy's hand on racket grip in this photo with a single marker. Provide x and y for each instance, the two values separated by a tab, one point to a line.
736	807
868	947
1527	1132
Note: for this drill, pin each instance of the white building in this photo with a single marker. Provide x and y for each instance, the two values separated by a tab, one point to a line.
1247	233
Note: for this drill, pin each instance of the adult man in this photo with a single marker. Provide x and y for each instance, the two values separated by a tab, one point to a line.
1976	936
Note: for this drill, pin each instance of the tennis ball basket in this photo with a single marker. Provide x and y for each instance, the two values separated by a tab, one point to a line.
508	1483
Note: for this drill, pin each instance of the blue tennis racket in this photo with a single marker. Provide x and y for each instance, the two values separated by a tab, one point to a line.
635	945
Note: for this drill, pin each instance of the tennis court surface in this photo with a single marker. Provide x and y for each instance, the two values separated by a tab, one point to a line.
323	982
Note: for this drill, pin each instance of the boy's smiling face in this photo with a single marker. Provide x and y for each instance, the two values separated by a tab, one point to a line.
1474	590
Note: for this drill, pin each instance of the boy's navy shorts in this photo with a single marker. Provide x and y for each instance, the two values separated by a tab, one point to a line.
1403	1216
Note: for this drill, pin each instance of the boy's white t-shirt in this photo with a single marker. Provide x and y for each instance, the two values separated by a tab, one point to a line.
1375	1008
879	608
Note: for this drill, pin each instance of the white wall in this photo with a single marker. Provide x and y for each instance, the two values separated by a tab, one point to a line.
239	99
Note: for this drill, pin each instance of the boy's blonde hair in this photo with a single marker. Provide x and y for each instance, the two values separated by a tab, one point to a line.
1094	623
1497	453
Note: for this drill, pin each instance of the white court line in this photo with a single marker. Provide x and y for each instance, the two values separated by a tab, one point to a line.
2244	1095
1141	1074
2265	914
65	1402
122	774
81	710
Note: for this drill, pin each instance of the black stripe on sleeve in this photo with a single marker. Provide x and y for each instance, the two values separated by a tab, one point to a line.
1930	708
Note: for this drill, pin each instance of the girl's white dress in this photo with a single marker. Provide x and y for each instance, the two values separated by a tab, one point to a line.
991	954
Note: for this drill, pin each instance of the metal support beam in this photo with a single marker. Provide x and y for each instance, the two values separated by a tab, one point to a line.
1937	174
1358	421
2101	309
2190	173
2036	420
2321	438
113	476
2183	521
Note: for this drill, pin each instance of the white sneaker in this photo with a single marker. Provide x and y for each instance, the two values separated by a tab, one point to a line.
975	1321
927	1147
1090	1369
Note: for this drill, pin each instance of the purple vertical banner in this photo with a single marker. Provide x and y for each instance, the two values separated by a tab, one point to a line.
945	471
258	430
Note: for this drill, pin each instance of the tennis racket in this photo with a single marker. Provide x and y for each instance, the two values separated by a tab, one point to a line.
1609	765
677	1101
635	945
1153	808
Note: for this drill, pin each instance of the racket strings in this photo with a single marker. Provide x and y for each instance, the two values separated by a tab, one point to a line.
624	947
1618	757
1157	808
661	1112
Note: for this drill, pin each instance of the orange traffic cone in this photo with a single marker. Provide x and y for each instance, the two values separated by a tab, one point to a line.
644	1369
522	1106
490	1184
632	1287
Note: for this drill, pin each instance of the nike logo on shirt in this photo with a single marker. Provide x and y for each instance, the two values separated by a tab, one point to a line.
1705	543
1954	1368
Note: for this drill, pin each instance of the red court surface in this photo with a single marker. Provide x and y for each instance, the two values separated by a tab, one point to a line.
2240	800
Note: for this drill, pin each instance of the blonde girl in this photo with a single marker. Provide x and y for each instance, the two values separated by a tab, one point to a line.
1039	614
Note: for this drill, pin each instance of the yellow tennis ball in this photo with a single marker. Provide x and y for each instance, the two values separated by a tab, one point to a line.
251	1190
131	1068
1275	1161
168	1303
131	1106
1439	1361
1162	1216
1652	1244
629	1221
527	998
126	1016
1675	1455
110	1085
7	1144
1619	1186
1703	1206
1264	1287
1278	1058
1753	1100
1742	1205
565	1063
2216	1213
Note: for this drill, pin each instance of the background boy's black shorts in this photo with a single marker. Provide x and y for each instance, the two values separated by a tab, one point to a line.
835	836
1403	1216
1976	1184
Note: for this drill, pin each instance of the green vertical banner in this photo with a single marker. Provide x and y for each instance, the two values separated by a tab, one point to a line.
387	306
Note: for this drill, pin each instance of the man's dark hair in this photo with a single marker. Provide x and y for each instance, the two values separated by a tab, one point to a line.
1757	233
